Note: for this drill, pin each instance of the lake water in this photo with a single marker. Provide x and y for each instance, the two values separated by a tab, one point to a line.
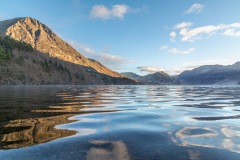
120	123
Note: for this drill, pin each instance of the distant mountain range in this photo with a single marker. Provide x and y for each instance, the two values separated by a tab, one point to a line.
203	75
212	74
158	78
31	53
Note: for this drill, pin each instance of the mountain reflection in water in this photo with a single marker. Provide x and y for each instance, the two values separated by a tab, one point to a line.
120	122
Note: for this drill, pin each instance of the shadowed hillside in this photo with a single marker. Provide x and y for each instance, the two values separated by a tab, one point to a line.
30	53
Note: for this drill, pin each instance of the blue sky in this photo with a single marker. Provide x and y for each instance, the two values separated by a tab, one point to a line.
141	36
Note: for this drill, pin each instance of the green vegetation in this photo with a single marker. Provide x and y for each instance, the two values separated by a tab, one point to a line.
4	55
60	67
7	45
10	44
79	76
49	65
20	60
46	66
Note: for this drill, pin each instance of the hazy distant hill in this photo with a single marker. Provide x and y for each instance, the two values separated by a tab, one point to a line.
160	78
132	75
212	74
49	59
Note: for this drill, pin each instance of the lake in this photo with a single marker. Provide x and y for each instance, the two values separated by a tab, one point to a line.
120	123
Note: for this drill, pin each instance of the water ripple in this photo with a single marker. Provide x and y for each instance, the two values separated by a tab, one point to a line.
120	122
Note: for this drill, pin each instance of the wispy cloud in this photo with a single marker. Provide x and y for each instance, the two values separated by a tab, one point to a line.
183	25
88	50
163	47
143	8
81	48
150	69
178	51
195	8
4	16
112	61
193	34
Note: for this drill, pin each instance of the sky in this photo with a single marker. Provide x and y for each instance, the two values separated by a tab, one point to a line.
141	36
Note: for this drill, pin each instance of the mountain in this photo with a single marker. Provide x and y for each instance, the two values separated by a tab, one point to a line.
212	74
132	75
41	64
158	78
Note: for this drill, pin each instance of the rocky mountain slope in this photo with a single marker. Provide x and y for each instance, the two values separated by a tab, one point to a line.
212	74
158	78
51	60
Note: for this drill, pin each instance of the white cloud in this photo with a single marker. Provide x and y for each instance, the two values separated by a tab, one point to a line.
173	35
154	69
232	32
183	25
235	25
100	11
81	47
192	34
195	8
119	10
178	51
103	12
151	69
163	47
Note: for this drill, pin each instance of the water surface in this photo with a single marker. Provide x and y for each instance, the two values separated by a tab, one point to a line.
120	122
